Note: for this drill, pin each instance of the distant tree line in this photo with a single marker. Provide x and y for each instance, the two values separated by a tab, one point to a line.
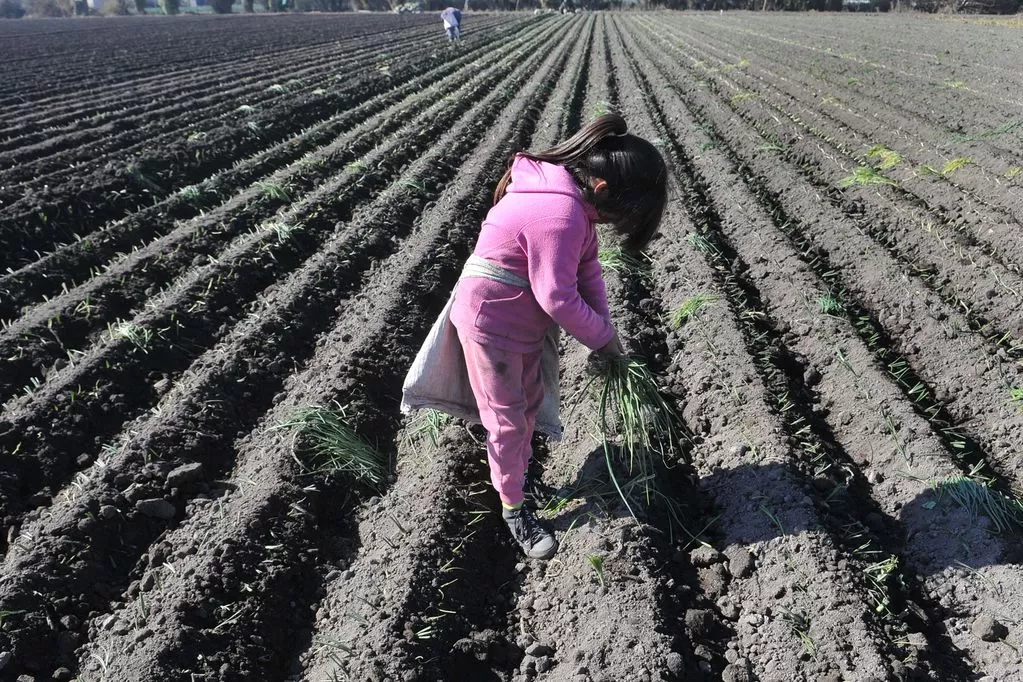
64	8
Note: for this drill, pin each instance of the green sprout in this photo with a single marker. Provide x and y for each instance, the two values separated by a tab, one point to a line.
955	164
597	564
743	96
690	308
419	187
865	175
799	625
829	305
772	517
602	107
191	192
878	574
274	190
1016	397
426	423
134	334
634	415
889	159
702	244
974	494
281	231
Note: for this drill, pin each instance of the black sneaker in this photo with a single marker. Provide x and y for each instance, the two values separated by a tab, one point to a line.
534	539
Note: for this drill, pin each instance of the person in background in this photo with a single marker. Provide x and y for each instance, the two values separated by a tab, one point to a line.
452	23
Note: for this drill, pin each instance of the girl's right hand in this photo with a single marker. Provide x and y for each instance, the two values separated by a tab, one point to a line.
612	348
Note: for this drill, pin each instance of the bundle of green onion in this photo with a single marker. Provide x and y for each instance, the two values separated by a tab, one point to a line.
637	425
326	444
975	495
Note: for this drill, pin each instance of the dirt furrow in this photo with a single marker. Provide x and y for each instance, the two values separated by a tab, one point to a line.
348	353
169	99
893	457
916	228
951	102
570	620
43	219
161	340
69	125
832	306
440	606
973	399
59	269
599	93
979	214
428	608
769	617
564	107
99	86
336	252
64	327
903	39
104	135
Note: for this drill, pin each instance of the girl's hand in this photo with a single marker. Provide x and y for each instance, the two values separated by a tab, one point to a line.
612	348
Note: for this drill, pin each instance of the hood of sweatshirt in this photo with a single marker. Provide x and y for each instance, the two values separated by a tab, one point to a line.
539	177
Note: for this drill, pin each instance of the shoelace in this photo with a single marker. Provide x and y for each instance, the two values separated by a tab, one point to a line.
533	529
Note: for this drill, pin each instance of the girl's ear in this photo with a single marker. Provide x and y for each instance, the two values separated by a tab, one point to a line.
599	185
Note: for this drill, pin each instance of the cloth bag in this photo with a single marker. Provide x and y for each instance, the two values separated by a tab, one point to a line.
439	380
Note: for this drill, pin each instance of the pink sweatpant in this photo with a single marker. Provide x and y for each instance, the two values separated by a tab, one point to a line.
509	391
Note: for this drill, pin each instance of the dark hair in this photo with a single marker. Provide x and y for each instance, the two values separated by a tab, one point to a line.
636	176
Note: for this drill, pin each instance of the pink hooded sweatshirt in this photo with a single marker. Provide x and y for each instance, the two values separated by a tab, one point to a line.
543	231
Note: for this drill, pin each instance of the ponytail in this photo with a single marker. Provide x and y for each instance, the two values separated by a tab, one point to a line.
632	167
572	150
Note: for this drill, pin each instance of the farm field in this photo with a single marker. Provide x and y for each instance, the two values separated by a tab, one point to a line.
208	224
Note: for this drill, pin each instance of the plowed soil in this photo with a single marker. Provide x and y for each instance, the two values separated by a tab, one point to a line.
209	223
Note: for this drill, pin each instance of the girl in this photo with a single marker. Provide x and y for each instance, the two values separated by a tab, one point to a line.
535	265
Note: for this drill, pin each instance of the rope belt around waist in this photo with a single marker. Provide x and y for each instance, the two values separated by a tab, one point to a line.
481	267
